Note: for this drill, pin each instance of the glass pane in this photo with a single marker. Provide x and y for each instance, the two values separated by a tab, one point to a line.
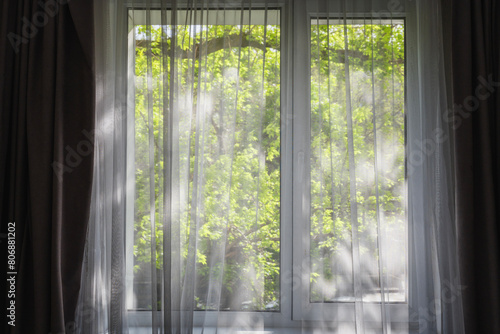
365	158
227	105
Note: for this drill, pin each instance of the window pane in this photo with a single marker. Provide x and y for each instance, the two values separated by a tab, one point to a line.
228	112
365	158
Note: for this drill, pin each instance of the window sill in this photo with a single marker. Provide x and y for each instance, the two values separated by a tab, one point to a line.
277	323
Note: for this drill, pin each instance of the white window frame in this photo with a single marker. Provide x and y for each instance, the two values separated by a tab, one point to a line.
304	310
271	319
296	312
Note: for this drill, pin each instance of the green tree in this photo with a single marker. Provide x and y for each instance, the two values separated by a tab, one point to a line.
231	121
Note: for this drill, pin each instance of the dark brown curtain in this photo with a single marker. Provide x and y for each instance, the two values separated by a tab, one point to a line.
46	157
473	28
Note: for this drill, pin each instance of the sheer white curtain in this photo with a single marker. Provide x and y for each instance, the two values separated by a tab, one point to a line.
278	166
378	213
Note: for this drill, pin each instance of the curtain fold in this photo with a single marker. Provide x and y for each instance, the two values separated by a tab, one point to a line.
199	139
438	289
47	102
473	32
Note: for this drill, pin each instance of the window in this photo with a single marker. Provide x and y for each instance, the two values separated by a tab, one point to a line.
241	163
364	156
353	202
310	172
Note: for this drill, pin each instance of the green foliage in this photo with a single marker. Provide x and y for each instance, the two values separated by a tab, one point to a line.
231	122
376	86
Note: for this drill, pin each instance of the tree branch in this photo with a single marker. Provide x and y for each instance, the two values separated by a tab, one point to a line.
213	45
